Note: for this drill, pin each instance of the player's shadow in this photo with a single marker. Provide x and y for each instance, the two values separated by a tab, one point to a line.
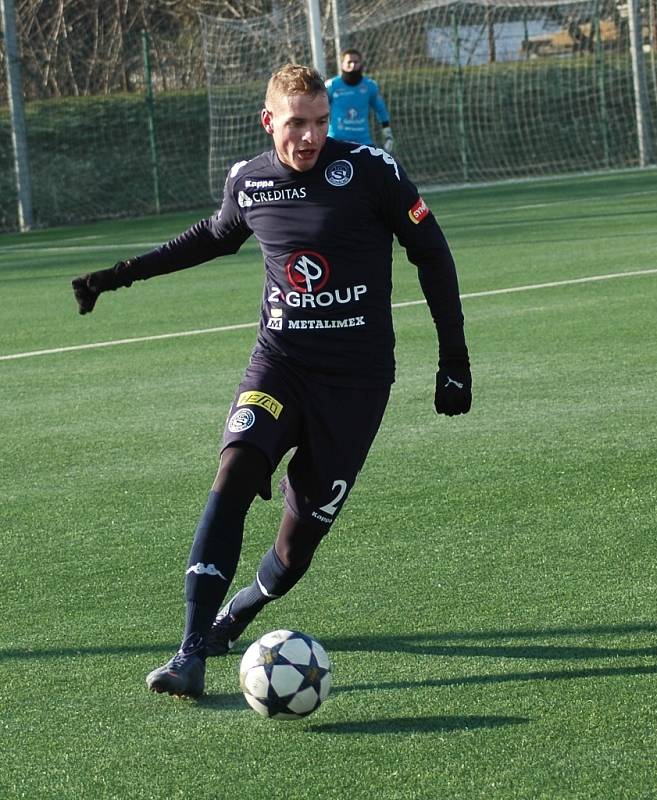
416	725
517	644
224	701
575	661
522	645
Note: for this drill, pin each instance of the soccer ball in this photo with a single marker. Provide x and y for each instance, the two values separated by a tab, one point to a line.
285	675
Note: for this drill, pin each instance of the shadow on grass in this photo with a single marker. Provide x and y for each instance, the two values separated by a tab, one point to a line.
529	644
516	644
234	701
505	677
28	654
523	644
415	725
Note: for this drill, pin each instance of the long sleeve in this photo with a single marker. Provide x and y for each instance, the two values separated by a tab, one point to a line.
219	235
426	247
378	104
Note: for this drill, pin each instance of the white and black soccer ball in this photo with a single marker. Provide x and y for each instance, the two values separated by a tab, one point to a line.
285	675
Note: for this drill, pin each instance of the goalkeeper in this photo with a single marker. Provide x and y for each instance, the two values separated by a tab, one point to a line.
324	213
352	96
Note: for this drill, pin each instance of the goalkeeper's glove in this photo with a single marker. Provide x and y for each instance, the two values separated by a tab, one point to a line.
388	141
88	287
453	385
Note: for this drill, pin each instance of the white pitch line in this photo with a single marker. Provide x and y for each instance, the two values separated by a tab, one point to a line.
243	325
94	345
550	285
28	248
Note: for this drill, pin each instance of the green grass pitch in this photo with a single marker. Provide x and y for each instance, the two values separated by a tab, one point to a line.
488	594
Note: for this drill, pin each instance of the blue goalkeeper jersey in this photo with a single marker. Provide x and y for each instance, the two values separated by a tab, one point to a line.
350	109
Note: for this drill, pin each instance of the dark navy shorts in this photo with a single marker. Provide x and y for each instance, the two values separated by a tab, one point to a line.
278	408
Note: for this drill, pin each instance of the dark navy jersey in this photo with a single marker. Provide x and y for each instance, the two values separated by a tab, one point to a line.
326	236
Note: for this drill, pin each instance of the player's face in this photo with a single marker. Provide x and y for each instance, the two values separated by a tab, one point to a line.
351	63
298	124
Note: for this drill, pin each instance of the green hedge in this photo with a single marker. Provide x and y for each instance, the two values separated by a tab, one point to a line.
90	158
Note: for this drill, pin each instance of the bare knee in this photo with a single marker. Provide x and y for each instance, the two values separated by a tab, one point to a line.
297	540
244	471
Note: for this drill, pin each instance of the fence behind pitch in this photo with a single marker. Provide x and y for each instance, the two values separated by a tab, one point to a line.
476	93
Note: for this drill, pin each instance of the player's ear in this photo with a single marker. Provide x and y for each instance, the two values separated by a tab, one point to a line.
266	119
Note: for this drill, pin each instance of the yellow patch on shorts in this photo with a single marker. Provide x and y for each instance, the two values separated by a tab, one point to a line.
262	400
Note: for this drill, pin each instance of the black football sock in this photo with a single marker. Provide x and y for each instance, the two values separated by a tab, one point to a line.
273	580
212	561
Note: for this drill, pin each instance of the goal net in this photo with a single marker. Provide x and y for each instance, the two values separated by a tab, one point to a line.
118	121
477	91
240	56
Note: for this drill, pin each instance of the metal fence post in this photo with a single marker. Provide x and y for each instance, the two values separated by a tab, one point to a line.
17	114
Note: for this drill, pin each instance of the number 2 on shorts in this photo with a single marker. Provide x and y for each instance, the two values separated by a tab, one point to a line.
332	507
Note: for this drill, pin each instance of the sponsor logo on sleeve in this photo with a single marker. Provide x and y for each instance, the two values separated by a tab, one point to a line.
262	400
418	211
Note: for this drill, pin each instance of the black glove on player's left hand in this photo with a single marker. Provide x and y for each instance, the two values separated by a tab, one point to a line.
88	287
453	386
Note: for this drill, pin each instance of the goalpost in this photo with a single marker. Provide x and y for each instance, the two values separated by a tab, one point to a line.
478	91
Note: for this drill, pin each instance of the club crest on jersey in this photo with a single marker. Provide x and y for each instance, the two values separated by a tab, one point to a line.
339	173
241	420
307	271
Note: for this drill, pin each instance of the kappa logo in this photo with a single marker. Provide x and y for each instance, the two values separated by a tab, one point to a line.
262	400
241	420
379	153
307	271
418	211
206	569
339	173
266	183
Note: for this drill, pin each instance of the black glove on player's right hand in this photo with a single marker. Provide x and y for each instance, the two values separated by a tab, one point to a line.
88	287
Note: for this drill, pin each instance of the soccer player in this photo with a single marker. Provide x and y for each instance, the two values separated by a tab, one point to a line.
324	213
351	96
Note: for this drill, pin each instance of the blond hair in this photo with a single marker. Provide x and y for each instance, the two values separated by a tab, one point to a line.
294	79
